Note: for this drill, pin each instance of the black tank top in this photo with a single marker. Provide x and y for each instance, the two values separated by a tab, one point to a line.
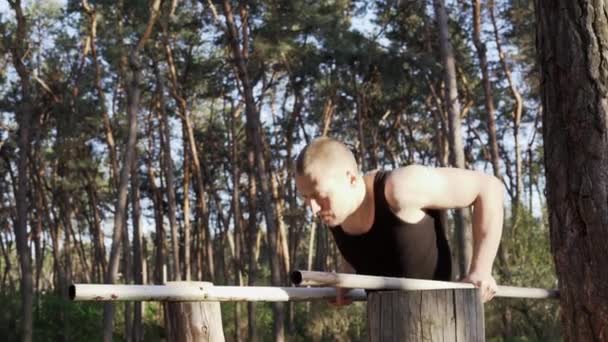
394	248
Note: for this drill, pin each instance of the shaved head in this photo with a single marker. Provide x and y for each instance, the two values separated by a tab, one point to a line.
324	156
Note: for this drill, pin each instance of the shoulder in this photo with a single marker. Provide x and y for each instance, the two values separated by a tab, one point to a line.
403	184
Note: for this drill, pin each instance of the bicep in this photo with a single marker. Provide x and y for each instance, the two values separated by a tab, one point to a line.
436	188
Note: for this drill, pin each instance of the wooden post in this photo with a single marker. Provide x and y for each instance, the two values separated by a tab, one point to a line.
430	315
193	321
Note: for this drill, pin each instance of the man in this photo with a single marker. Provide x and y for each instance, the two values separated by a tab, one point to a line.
387	223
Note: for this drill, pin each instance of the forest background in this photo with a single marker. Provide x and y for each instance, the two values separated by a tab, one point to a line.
158	137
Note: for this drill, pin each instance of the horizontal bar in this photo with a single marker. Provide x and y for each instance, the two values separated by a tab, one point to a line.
357	281
194	291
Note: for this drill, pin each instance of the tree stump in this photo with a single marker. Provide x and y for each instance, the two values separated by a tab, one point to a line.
431	315
193	321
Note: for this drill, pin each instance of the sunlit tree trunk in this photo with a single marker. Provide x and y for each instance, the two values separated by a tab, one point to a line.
572	56
517	112
480	46
461	216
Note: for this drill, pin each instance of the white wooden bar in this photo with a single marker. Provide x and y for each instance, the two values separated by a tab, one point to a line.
357	281
180	293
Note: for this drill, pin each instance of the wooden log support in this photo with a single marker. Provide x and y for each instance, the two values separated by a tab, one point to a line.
430	315
193	321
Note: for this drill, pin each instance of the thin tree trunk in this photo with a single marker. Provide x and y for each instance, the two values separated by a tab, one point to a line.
96	232
517	112
37	234
55	231
201	204
461	216
572	56
24	116
165	141
84	269
487	86
254	138
158	220
283	249
109	135
127	269
138	261
236	208
360	123
7	265
65	216
489	105
133	94
187	164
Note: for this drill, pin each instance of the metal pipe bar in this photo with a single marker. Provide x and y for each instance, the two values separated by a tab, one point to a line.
197	292
357	281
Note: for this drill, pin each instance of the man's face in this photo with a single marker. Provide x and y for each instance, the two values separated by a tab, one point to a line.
328	195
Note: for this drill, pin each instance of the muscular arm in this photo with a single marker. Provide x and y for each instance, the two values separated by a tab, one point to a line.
413	188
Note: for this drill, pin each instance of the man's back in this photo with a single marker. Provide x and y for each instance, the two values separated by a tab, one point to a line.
393	247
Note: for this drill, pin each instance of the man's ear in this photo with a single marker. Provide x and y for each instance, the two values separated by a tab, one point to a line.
352	177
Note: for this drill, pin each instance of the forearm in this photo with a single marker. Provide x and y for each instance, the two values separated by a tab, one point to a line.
488	214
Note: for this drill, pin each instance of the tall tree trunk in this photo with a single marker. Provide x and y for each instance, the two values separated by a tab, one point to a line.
24	115
282	247
487	86
83	267
159	259
201	203
572	56
23	250
96	232
236	208
165	141
55	231
109	135
461	216
37	233
361	133
187	164
133	94
254	139
503	254
138	261
517	112
65	216
127	269
7	265
252	233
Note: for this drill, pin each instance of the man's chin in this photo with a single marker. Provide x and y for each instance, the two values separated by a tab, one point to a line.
332	223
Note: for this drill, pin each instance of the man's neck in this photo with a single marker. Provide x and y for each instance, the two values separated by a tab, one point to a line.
361	220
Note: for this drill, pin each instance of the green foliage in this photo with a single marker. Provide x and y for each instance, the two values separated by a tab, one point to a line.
325	322
55	318
315	321
530	265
